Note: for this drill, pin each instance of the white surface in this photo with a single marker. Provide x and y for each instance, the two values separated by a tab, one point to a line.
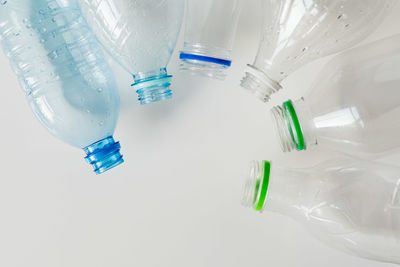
176	200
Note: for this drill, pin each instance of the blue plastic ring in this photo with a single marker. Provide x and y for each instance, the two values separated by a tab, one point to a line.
215	60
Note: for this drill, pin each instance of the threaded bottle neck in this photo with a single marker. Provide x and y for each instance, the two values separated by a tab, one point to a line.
258	83
104	155
293	125
256	187
152	86
277	189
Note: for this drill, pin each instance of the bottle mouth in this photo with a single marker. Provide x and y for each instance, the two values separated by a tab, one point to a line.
104	155
258	83
256	187
288	127
205	60
152	86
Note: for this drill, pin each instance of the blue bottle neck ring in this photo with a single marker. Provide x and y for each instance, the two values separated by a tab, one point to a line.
104	155
214	60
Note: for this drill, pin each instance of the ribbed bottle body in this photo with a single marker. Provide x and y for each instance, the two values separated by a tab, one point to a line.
61	68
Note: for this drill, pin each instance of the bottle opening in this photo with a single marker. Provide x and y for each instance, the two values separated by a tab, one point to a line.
205	60
152	86
288	128
104	155
258	83
256	187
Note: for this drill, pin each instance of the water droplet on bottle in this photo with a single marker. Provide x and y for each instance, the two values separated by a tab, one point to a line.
101	123
3	2
99	90
53	55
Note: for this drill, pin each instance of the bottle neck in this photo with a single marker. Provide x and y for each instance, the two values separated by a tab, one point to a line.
152	86
258	83
104	155
294	125
276	189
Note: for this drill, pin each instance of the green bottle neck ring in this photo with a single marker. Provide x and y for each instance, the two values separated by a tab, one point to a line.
260	194
292	119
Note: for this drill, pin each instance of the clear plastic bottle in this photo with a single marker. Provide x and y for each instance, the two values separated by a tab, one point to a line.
141	35
209	36
353	206
296	32
61	68
354	107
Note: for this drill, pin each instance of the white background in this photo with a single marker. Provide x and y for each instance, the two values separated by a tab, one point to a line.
176	199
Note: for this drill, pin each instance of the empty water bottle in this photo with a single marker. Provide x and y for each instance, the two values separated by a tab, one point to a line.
209	36
141	35
354	107
61	68
353	206
296	32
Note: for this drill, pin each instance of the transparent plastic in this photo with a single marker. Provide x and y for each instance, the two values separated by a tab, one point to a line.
209	36
61	68
354	107
353	206
297	32
141	35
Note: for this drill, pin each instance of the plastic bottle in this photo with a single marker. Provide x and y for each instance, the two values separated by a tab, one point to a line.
296	32
209	36
141	35
61	68
354	107
353	206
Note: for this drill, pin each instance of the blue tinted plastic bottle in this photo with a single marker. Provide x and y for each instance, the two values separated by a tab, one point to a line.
141	35
61	68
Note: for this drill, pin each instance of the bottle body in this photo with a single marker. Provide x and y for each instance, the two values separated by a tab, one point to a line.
208	39
354	106
297	32
61	68
141	36
353	206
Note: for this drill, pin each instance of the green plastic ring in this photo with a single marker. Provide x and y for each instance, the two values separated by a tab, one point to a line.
264	186
301	145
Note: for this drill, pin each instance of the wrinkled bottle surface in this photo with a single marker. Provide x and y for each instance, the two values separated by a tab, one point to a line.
209	36
353	206
141	35
354	107
296	32
61	68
